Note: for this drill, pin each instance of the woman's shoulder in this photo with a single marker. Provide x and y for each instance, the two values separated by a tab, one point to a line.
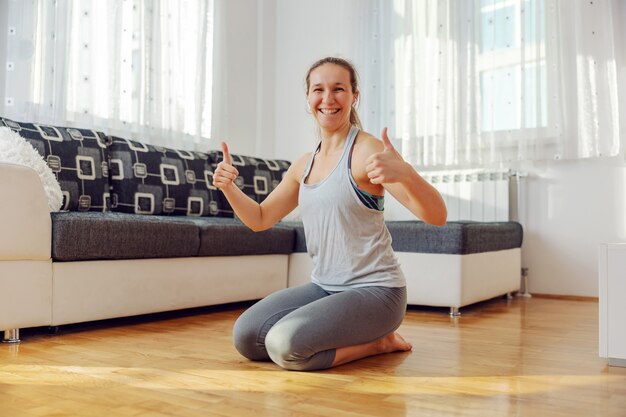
302	160
299	165
367	144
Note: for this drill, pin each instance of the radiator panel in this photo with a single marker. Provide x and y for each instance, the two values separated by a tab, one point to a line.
476	195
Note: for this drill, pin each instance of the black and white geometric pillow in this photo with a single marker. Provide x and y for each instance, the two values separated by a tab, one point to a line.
257	177
78	158
148	179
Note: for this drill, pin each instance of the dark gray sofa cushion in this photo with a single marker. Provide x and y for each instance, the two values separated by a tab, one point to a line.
91	236
459	237
300	239
462	237
230	237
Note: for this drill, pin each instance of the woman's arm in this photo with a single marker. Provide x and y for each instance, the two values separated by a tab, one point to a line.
280	202
388	168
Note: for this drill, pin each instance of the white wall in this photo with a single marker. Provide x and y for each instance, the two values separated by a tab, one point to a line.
573	206
235	66
245	73
305	32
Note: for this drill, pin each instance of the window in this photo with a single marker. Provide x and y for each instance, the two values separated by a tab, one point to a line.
471	81
135	68
512	65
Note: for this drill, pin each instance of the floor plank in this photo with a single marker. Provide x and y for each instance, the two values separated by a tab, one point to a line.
520	357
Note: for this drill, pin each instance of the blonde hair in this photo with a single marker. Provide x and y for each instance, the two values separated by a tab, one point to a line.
354	82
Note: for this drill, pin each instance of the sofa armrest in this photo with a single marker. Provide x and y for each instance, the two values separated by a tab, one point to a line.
25	224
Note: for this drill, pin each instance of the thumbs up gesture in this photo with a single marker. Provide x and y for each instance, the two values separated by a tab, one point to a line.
387	166
225	173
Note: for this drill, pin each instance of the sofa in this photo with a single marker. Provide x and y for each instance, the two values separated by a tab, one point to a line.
142	230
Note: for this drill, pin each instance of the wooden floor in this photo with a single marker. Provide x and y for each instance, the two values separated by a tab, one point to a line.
525	357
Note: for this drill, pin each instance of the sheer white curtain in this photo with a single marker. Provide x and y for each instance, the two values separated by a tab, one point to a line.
136	68
492	82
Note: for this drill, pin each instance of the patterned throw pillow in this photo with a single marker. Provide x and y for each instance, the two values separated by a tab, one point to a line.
148	179
78	158
257	177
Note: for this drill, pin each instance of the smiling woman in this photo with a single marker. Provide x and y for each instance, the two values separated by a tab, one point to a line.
357	295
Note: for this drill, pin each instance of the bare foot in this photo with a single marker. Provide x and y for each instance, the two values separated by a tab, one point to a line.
393	342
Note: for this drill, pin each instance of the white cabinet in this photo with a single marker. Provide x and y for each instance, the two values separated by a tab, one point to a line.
612	292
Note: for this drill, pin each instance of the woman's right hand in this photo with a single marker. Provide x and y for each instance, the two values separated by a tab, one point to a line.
225	173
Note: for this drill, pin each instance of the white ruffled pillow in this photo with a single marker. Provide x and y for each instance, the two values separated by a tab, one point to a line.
15	149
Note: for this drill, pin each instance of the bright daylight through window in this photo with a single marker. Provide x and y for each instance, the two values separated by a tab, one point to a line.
512	65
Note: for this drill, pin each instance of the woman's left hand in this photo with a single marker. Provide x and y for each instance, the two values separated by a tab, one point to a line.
225	173
387	166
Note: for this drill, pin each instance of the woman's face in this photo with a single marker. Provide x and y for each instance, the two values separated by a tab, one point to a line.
330	96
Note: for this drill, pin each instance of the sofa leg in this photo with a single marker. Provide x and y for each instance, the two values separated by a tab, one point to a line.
454	312
11	336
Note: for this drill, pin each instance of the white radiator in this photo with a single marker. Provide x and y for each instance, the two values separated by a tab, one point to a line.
479	195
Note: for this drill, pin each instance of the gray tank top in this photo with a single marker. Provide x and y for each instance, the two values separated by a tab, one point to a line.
348	242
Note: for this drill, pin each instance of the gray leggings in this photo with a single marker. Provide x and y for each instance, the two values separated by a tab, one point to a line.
299	328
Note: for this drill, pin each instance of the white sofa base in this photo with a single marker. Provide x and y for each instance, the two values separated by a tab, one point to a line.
26	288
443	280
143	286
25	241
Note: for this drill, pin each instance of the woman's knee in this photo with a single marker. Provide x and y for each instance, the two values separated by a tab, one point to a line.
285	348
246	334
279	345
